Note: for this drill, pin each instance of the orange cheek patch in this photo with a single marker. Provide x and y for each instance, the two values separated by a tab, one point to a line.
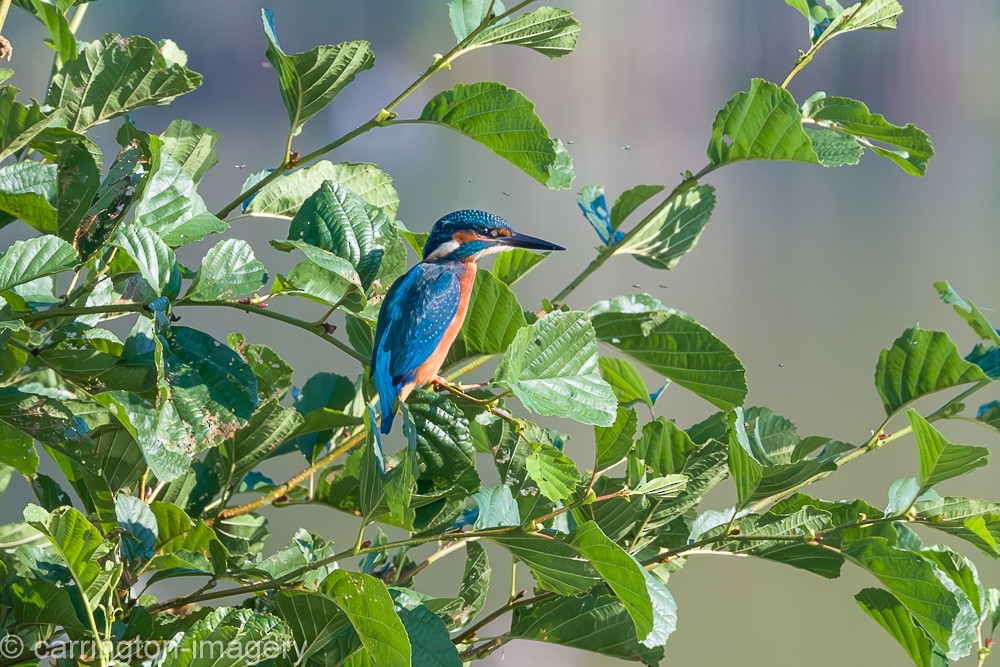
465	237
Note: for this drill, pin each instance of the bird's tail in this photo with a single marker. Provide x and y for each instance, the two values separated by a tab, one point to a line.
387	417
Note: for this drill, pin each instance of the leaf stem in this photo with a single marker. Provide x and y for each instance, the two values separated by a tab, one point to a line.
517	601
78	14
608	252
295	480
384	114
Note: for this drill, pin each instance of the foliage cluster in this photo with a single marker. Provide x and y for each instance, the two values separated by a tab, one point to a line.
158	437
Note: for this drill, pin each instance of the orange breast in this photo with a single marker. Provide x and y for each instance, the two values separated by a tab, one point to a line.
430	368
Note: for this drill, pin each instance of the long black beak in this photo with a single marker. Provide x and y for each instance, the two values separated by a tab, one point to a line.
518	240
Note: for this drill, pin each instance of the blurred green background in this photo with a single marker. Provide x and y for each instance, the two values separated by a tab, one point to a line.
806	272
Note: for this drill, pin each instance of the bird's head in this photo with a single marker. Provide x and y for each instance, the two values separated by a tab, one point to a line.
470	235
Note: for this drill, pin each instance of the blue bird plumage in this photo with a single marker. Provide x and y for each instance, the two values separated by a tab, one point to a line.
424	309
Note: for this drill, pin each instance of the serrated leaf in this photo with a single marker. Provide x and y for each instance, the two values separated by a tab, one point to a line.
320	627
22	122
886	609
512	265
34	258
191	146
673	344
913	580
671	234
236	635
152	256
555	473
369	607
595	622
556	566
283	197
968	312
28	192
228	270
668	486
940	459
908	146
919	363
323	277
492	320
497	507
614	442
114	75
833	149
745	470
551	366
623	574
274	375
339	221
309	81
171	206
975	521
549	30
503	120
444	449
763	123
466	15
269	427
111	202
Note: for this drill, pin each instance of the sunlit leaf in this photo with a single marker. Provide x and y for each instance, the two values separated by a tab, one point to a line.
228	270
22	122
890	613
555	473
548	30
114	75
503	120
671	234
33	258
551	366
191	146
467	15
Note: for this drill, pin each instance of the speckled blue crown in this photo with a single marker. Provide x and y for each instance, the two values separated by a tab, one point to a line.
469	220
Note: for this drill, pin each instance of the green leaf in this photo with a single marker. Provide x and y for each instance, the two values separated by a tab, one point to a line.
17	450
940	459
34	258
673	344
154	258
763	123
171	207
512	265
672	233
615	442
79	177
112	201
555	473
466	15
369	607
321	629
445	453
274	375
212	389
975	521
191	146
22	123
337	220
160	434
79	545
323	277
668	486
919	363
744	468
492	320
596	622
63	40
139	529
551	366
549	30
305	551
238	637
283	197
890	613
908	146
968	312
913	581
228	270
621	572
625	381
114	75
503	120
28	192
178	535
833	149
497	507
309	81
430	642
269	427
555	565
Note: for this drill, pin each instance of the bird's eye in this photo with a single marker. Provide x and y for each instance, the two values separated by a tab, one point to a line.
494	233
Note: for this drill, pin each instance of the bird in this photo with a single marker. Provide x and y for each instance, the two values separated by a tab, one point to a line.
424	309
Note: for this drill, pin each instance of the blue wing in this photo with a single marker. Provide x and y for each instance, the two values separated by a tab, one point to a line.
416	312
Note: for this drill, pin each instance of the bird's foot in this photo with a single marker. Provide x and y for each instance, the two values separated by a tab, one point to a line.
444	384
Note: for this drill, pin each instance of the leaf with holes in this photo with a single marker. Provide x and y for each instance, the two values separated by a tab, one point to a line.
228	270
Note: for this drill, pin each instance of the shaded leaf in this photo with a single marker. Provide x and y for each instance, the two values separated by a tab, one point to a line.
28	192
833	149
22	122
556	566
492	320
614	442
112	201
466	15
890	613
497	507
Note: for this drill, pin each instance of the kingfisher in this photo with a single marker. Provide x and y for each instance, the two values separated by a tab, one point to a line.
424	309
